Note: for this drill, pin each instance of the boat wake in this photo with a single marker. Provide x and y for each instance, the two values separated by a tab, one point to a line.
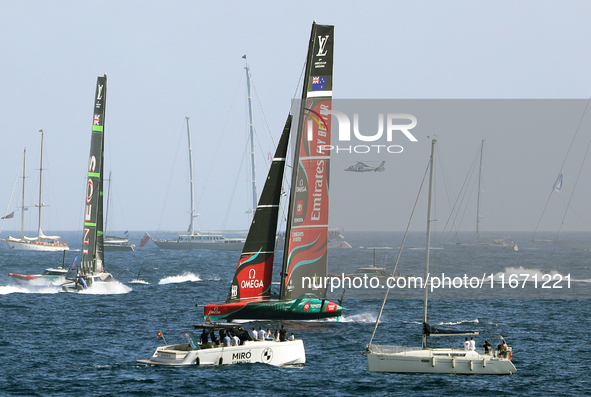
139	282
16	289
361	318
180	278
523	274
110	288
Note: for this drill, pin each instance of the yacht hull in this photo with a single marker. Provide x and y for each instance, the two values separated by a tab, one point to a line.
266	352
439	361
295	309
32	246
220	245
483	246
37	280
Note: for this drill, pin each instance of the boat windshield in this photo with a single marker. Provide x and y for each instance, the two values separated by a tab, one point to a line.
192	340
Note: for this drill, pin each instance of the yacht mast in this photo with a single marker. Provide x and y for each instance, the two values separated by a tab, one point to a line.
23	200
251	130
108	199
192	212
40	182
429	220
478	216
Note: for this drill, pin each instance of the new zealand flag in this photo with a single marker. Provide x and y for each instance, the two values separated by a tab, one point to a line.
318	83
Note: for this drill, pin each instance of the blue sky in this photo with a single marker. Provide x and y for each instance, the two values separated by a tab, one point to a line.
169	60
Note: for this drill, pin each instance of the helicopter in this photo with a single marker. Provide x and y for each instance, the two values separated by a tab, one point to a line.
362	167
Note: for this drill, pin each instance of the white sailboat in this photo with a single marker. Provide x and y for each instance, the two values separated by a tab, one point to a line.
397	359
195	240
41	242
482	242
92	266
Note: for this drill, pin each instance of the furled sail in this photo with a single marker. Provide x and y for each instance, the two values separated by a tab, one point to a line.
429	330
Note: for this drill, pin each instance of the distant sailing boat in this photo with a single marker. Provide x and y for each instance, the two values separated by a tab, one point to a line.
41	242
483	242
196	240
563	240
92	266
383	358
114	243
305	258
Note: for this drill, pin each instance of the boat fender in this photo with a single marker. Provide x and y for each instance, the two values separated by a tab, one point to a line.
221	361
197	361
471	365
483	362
510	355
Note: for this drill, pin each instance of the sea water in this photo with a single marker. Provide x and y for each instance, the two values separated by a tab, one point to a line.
64	344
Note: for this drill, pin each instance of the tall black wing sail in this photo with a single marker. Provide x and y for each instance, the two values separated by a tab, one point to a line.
92	240
254	271
305	259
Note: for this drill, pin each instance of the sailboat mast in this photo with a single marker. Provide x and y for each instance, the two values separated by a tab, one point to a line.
251	130
40	183
429	220
191	223
478	216
23	199
108	198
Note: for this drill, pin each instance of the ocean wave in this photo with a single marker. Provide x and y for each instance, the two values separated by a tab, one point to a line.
21	289
180	278
138	282
523	274
110	288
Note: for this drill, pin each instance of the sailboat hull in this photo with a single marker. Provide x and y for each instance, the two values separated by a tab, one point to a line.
436	361
481	246
36	246
296	309
37	280
217	245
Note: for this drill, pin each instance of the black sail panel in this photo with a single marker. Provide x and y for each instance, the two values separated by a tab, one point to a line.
254	271
306	256
92	239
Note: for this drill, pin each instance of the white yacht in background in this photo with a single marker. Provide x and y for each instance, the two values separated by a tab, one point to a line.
41	242
482	242
195	240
